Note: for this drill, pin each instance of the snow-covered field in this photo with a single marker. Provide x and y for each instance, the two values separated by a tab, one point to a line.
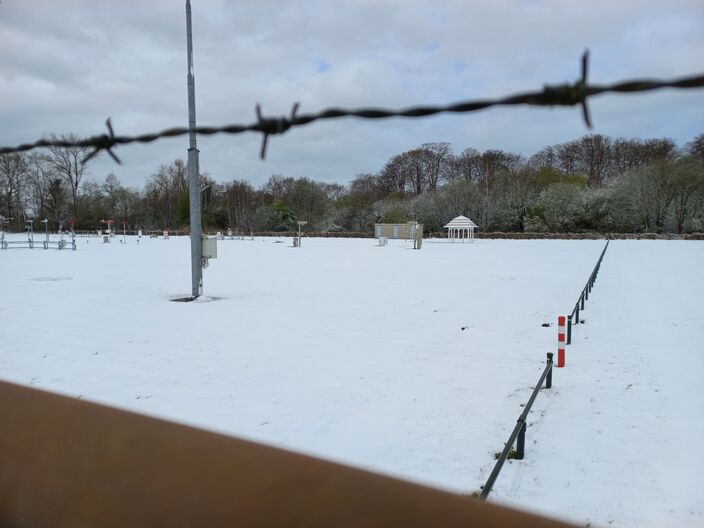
411	363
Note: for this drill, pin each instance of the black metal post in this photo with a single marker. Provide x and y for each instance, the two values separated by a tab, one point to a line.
569	330
517	435
576	311
521	442
548	379
581	301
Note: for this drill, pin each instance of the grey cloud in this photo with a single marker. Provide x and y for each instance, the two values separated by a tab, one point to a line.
66	66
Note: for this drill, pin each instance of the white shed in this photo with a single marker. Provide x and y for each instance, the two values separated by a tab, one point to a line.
460	228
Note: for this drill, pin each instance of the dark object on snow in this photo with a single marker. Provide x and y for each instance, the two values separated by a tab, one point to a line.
545	325
465	327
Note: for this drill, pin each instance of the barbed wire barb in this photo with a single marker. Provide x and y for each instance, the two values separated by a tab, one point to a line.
583	83
104	142
568	94
270	126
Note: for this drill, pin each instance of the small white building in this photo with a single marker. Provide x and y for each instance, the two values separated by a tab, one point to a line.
405	231
460	228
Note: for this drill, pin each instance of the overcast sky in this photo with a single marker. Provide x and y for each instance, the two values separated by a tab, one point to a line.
65	66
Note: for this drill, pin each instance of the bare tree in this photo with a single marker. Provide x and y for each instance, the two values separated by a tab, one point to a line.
14	170
241	204
594	157
166	196
567	157
688	189
278	187
415	162
625	155
491	163
395	175
68	165
546	157
655	150
466	166
436	157
43	189
695	148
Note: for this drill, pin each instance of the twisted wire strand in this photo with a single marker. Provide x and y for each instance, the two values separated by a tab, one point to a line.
568	94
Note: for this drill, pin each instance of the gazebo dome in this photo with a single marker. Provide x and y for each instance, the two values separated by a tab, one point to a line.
461	222
460	228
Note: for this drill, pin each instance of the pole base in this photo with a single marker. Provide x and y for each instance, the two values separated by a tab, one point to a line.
184	299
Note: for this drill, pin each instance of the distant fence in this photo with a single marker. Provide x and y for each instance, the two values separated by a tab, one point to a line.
43	244
573	318
519	432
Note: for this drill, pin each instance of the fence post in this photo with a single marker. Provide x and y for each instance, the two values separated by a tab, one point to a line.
521	443
548	380
569	330
581	300
561	341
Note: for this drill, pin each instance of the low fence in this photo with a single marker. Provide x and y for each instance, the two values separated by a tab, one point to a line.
519	432
573	318
33	244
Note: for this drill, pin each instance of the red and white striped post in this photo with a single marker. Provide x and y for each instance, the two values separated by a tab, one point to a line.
561	340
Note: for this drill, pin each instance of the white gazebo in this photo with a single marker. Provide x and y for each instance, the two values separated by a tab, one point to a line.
460	228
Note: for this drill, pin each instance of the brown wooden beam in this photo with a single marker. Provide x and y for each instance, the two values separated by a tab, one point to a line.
69	463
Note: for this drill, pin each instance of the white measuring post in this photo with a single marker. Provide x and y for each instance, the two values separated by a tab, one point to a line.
29	225
46	233
3	221
300	223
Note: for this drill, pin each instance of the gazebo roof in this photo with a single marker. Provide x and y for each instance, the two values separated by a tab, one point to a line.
461	222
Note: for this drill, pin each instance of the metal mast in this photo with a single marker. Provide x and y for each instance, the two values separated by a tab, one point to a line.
193	183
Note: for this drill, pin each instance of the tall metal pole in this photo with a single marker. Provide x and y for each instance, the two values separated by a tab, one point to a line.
193	184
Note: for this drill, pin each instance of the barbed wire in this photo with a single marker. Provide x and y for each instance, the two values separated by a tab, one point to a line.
568	94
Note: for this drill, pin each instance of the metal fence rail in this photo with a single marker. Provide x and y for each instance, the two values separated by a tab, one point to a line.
519	432
37	244
573	318
31	244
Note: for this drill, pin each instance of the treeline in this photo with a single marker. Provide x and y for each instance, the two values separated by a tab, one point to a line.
594	183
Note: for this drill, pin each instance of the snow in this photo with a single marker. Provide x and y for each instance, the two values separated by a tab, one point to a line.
410	363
